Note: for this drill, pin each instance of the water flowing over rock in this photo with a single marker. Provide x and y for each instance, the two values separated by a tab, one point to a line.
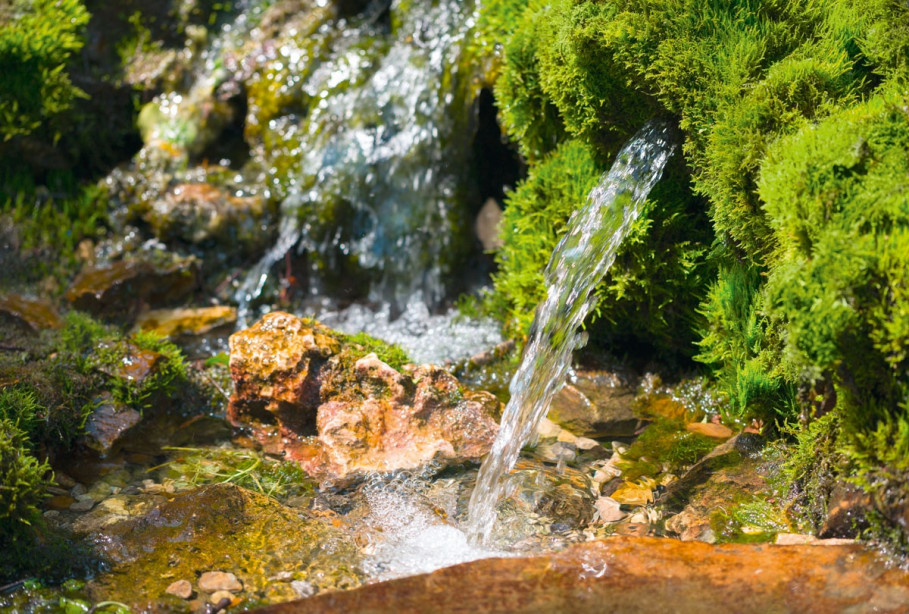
378	159
582	257
325	401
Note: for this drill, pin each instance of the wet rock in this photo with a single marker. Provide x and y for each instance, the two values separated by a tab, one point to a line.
181	588
722	456
107	424
200	212
561	495
218	527
36	314
213	581
116	290
221	598
609	509
709	505
641	575
709	429
596	404
83	503
173	323
305	393
847	510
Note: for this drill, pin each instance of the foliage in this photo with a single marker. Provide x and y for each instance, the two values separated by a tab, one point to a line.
38	38
22	482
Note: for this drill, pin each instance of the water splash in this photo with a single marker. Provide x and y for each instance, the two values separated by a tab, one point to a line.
579	262
408	535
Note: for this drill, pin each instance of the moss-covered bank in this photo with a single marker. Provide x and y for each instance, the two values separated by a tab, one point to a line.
779	243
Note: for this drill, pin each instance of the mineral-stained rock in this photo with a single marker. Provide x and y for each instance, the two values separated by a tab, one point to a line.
596	404
306	392
116	290
34	313
213	581
627	575
218	527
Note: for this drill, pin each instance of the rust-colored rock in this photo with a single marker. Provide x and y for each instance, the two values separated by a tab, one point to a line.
116	290
34	313
625	575
339	413
710	429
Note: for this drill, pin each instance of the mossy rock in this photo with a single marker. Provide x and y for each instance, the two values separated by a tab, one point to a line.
225	528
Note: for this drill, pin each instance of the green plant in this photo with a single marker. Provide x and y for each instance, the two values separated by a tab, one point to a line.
22	483
38	38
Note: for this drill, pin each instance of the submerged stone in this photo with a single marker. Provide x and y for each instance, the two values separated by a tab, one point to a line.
640	575
596	404
306	392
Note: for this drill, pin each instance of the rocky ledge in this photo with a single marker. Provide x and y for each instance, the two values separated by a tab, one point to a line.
640	575
316	396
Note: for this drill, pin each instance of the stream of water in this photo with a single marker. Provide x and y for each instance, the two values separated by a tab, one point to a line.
381	157
581	259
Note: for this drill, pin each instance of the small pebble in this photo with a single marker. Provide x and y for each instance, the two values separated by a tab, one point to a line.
83	503
303	588
76	491
586	443
219	596
282	576
181	588
213	581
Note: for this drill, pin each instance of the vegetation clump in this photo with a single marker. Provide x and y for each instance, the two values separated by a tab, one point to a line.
782	256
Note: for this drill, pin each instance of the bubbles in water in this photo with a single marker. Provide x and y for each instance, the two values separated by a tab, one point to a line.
427	338
409	535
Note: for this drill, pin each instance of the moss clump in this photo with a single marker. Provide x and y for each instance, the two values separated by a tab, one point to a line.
361	344
38	38
664	447
22	481
651	291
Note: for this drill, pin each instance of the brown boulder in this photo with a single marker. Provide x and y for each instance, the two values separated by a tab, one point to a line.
304	391
625	575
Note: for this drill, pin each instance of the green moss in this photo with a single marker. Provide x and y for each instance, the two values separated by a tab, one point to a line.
38	38
244	468
738	342
361	344
23	481
664	446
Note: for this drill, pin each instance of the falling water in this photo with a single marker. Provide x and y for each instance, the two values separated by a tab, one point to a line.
381	154
579	262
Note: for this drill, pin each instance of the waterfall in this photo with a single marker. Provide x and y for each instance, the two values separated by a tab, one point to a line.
581	259
381	169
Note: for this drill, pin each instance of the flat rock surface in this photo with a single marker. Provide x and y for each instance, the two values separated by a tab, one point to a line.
641	575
